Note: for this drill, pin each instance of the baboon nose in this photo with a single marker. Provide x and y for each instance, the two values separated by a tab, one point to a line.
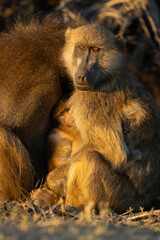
81	82
82	78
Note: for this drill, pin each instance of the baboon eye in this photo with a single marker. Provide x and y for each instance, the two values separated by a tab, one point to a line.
81	46
62	113
95	49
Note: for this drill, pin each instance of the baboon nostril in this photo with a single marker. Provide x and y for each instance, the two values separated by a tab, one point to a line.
83	78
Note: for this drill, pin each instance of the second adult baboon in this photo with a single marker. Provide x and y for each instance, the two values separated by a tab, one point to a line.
108	97
32	82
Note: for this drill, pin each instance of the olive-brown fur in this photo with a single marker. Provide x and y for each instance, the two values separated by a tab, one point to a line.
99	114
32	81
64	140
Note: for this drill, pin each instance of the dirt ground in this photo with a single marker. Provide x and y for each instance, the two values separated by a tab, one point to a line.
59	230
27	221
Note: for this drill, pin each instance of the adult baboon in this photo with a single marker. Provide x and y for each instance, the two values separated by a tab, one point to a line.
64	141
32	81
107	98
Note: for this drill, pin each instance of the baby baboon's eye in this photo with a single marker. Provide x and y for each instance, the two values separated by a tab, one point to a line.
62	113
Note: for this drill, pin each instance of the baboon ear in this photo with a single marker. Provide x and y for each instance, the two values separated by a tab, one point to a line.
68	32
119	36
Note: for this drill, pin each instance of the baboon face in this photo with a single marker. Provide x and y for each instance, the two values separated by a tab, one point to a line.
92	54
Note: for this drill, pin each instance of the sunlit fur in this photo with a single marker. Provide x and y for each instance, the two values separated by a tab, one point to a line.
63	141
111	58
99	117
112	120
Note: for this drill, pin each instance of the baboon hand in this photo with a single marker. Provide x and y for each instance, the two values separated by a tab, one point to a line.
135	155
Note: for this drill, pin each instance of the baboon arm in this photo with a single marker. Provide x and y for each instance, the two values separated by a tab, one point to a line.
140	117
116	150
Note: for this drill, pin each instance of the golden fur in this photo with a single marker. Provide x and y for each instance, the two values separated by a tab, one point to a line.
113	119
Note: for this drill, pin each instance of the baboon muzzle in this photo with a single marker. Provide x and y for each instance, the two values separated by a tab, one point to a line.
84	77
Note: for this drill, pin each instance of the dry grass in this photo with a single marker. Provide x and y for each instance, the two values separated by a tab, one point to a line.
26	221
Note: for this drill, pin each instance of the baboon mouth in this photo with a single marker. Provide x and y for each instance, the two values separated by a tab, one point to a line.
83	87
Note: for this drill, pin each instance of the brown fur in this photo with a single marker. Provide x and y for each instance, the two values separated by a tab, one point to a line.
43	197
64	140
99	115
32	81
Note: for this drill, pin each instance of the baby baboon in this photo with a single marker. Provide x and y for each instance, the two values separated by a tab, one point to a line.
107	98
64	140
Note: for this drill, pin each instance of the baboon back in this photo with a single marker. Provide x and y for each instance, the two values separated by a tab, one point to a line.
32	81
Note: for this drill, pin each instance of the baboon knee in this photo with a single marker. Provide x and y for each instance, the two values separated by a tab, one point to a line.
85	179
57	180
43	197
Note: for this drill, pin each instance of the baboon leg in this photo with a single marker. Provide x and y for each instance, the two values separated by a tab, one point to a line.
54	187
121	192
16	171
116	150
85	185
92	180
43	197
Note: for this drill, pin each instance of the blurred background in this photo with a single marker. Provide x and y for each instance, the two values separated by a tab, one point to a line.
137	21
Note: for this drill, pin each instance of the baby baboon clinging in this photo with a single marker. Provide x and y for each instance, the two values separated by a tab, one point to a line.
64	140
108	97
